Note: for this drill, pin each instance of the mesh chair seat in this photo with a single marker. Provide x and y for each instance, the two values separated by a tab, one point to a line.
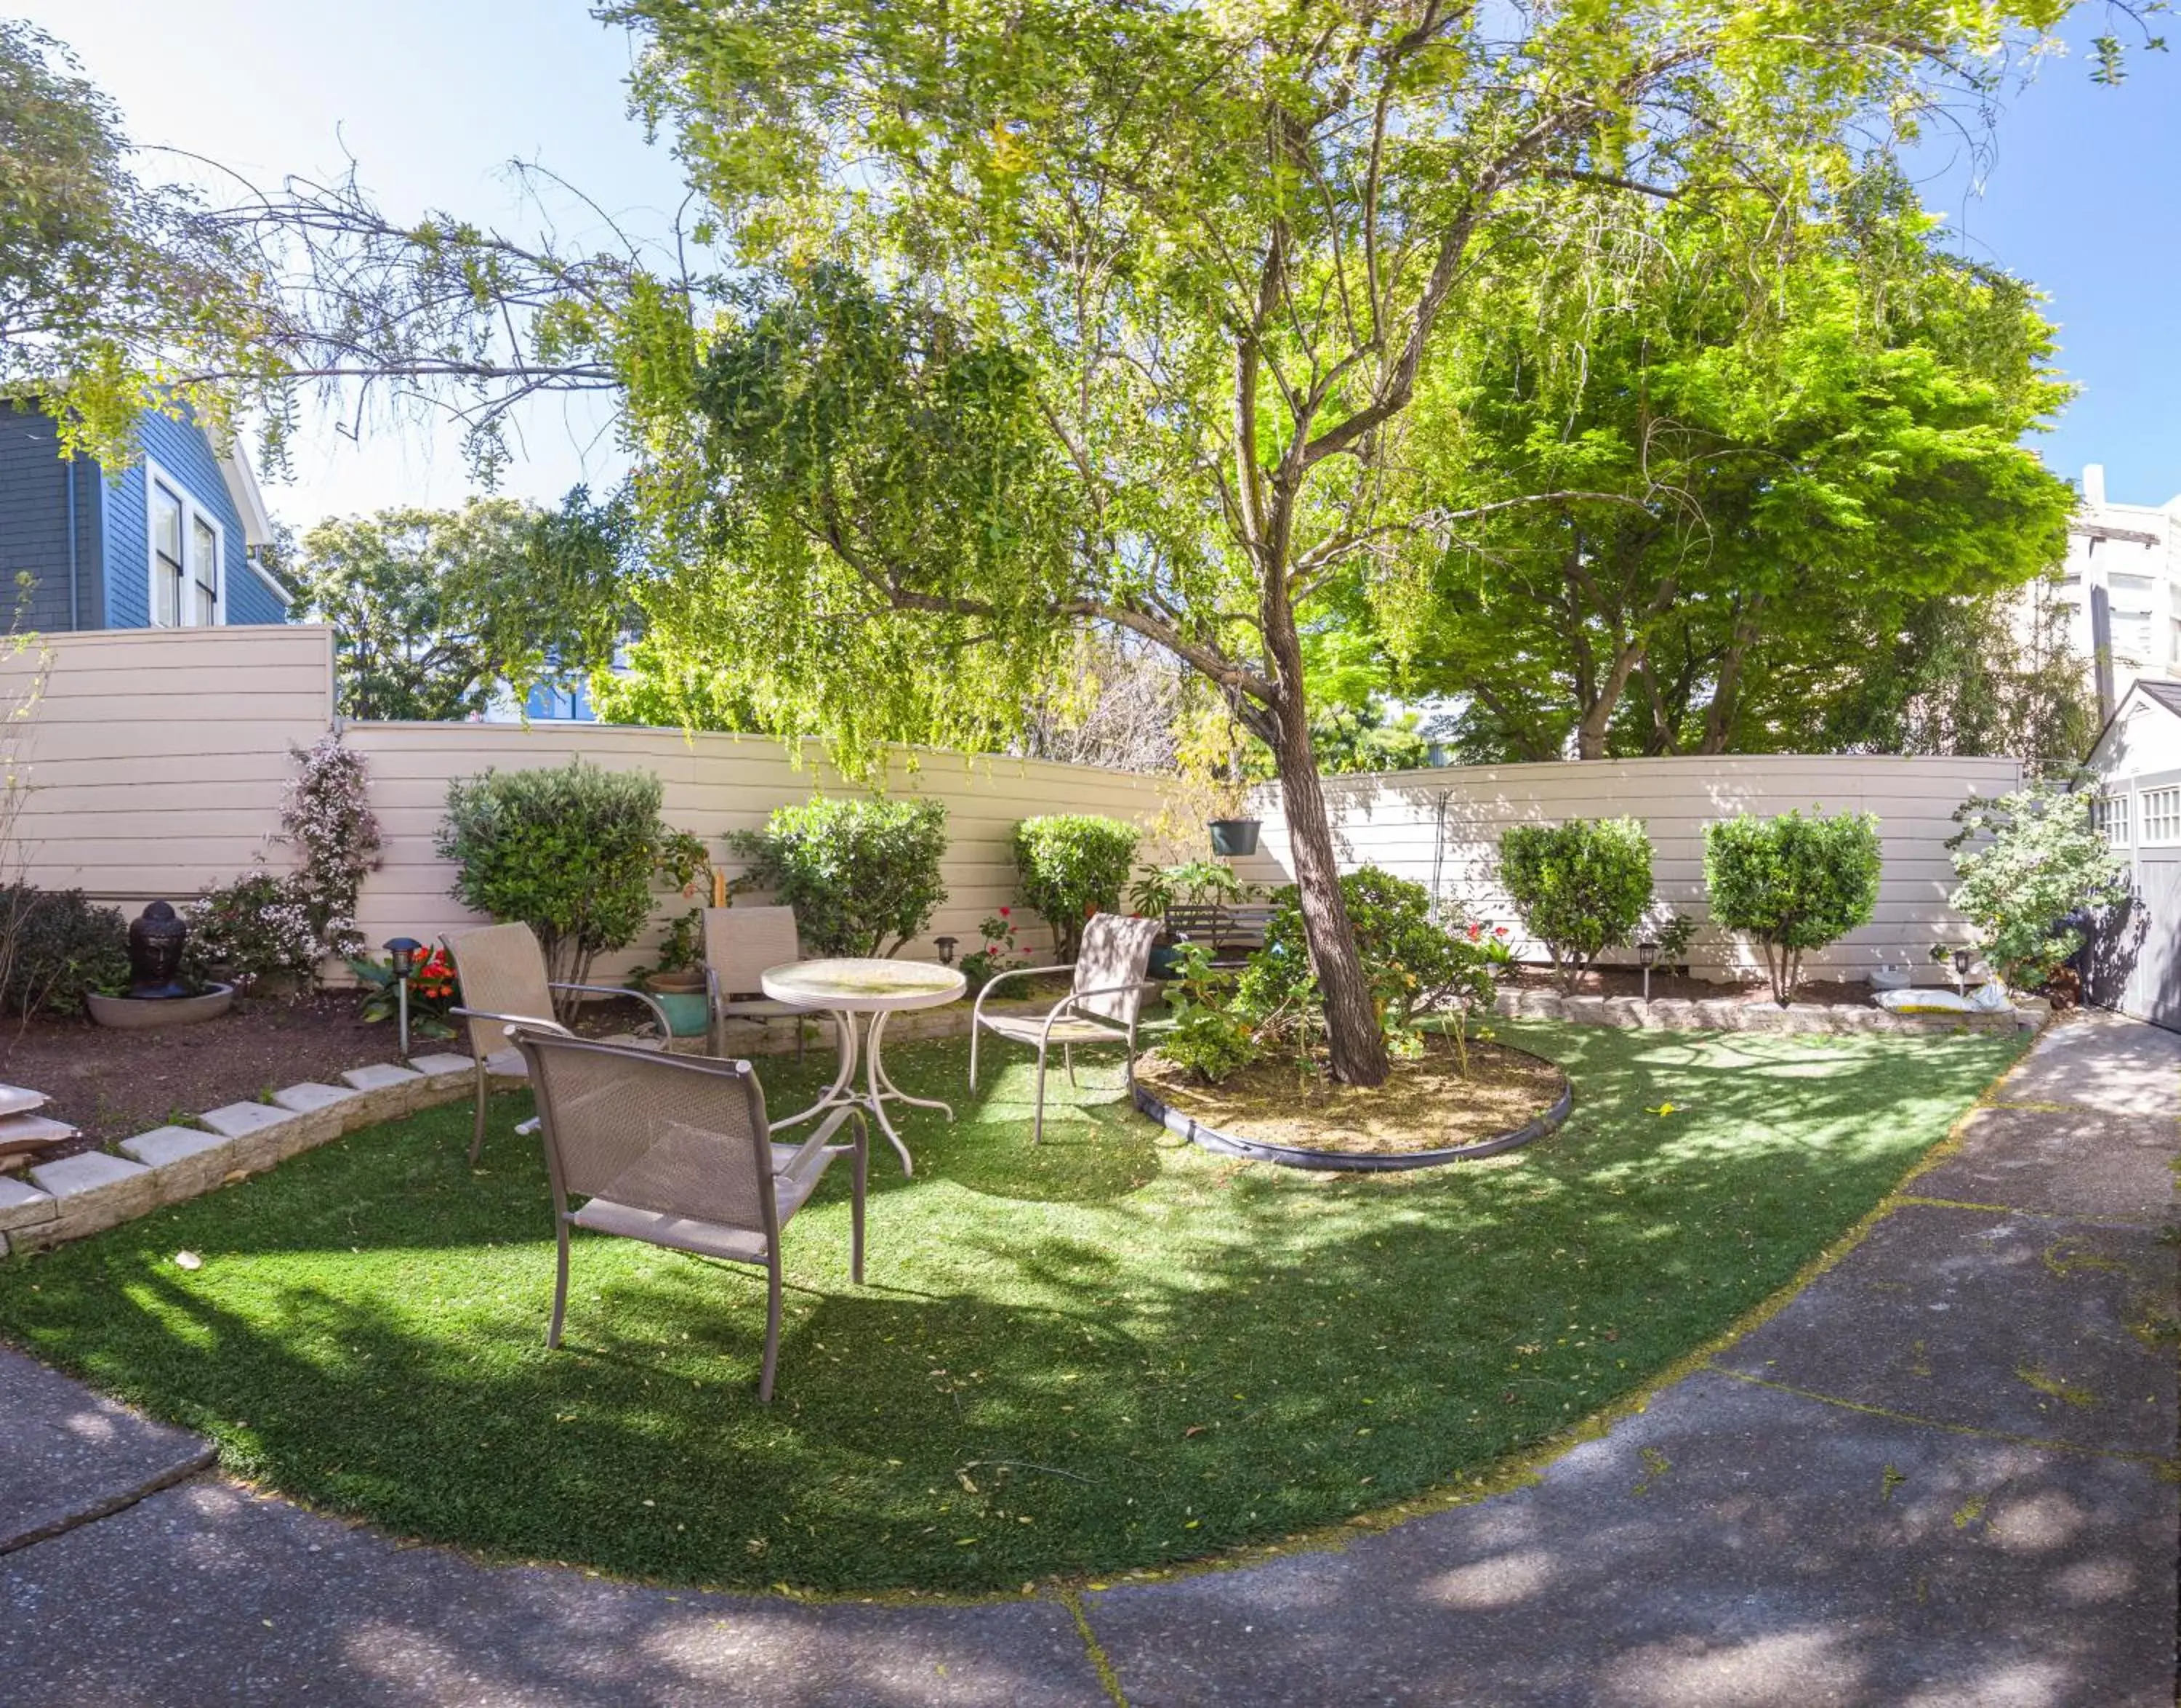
791	1186
1030	1029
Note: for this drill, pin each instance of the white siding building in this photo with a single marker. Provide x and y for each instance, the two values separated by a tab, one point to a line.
2131	553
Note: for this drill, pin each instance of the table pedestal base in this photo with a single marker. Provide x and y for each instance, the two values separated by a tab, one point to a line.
876	1091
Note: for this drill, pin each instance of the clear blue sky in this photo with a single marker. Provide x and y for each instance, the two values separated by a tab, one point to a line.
433	97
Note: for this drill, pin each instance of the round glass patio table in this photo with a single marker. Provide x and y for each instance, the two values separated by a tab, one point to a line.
875	990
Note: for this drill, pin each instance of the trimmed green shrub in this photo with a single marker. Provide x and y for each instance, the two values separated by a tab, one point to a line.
2046	866
570	852
863	876
1073	865
1792	883
1579	887
56	947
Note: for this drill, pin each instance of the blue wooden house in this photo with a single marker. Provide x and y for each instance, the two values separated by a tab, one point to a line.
176	542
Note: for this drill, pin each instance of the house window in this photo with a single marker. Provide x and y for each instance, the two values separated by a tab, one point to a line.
2109	814
2131	584
2162	815
186	542
2131	635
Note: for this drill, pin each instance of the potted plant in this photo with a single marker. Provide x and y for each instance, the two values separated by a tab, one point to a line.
1233	837
678	980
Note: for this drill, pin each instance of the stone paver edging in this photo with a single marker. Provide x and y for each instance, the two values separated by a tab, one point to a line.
1735	1014
1940	1476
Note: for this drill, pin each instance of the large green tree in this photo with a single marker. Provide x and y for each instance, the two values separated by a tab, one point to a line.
115	295
1782	469
1119	314
433	611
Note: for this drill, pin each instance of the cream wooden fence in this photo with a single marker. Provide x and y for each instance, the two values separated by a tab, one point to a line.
1441	828
156	760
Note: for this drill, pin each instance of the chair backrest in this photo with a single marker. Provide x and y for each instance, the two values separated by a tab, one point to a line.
1116	951
672	1134
502	970
741	942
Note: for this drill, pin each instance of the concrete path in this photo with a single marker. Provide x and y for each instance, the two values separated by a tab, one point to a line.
1942	1476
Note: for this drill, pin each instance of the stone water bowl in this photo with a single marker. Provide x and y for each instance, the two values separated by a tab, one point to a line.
156	995
143	1013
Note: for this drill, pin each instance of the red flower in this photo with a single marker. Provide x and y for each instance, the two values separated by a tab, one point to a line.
1004	911
1476	931
1498	931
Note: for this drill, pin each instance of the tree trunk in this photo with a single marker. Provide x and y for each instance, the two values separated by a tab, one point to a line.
1357	1044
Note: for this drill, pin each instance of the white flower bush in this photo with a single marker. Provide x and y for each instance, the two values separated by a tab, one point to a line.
266	923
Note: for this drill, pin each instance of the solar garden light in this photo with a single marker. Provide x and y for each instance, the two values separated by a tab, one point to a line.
402	952
1963	959
946	946
1647	951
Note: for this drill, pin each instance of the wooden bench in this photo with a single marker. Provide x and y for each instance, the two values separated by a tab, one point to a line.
1231	930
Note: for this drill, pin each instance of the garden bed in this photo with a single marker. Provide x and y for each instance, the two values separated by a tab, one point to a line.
1426	1113
114	1085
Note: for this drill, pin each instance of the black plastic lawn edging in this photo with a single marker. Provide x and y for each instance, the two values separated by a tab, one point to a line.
1297	1156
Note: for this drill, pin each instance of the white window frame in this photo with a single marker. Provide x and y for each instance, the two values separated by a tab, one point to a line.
193	513
2109	813
2160	815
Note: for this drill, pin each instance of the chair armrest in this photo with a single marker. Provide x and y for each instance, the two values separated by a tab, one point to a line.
658	1013
817	1142
512	1020
977	1013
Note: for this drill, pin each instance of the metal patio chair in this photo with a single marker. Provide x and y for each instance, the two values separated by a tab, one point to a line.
740	942
1106	996
500	970
675	1150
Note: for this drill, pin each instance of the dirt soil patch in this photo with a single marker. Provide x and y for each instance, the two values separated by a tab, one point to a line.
1427	1105
114	1085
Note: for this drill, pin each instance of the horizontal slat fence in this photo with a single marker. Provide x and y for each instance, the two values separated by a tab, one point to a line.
1442	828
156	760
714	783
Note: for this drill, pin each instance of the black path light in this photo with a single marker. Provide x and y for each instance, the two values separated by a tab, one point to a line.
401	952
945	946
1964	959
1647	951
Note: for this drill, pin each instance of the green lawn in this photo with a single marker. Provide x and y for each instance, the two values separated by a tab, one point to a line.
1112	1352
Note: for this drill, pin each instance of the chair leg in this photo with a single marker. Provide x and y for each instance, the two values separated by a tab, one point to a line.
1068	1060
771	1330
973	1030
863	1162
560	1290
477	1135
1037	1123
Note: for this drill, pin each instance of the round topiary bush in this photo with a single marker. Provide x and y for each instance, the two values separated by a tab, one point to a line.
1581	887
1792	883
1073	865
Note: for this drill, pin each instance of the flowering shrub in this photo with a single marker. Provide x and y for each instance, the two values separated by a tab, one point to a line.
996	954
326	816
2027	888
252	929
265	922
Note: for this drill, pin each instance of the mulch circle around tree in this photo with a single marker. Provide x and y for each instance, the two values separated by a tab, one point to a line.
1427	1112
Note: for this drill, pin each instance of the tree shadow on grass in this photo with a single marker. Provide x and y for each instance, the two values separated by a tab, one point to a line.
1222	1354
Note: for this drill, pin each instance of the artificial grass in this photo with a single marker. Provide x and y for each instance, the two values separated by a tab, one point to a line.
1112	1352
